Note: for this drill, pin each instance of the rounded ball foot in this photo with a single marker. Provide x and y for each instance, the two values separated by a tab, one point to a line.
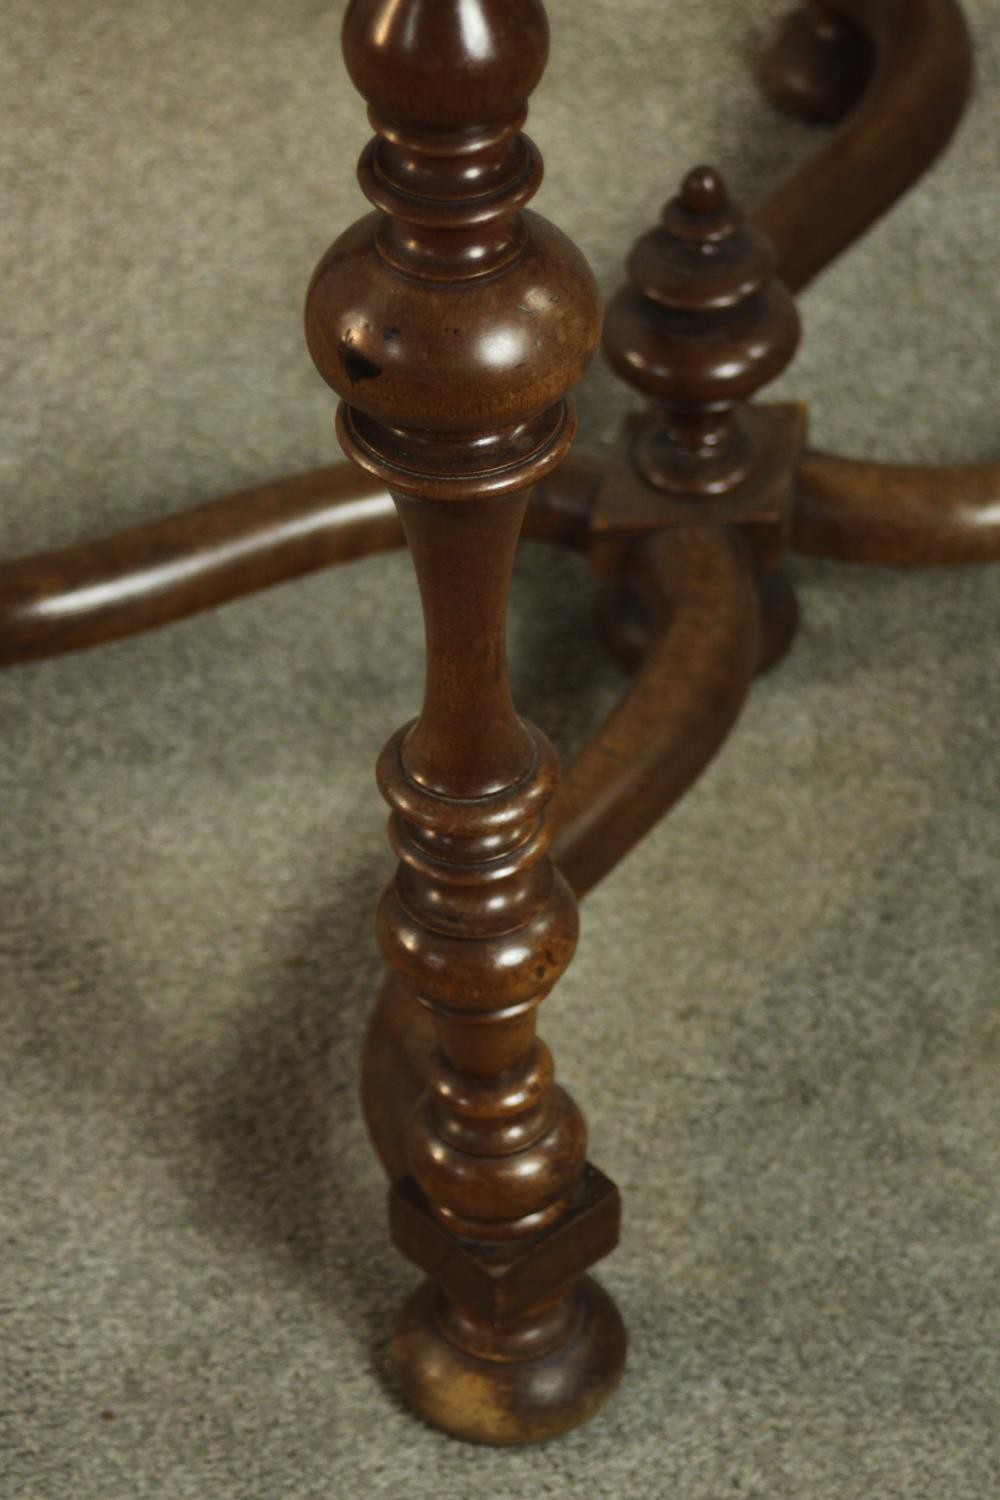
817	66
779	618
487	1398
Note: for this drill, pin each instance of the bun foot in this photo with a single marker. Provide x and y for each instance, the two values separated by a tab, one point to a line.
816	67
520	1384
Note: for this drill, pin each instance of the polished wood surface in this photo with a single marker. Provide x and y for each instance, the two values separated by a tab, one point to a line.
701	652
152	575
920	81
453	324
70	599
897	515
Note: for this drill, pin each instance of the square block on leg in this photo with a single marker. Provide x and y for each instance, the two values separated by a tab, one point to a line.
500	1282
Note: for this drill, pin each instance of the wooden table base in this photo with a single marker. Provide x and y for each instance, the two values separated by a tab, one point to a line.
453	323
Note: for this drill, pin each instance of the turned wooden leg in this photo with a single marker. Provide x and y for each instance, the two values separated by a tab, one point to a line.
507	1344
453	326
698	588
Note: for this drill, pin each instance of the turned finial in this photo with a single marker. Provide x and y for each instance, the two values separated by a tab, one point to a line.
701	325
703	192
451	323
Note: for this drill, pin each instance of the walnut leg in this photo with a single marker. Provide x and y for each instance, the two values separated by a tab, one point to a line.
920	81
897	515
701	655
453	325
506	1343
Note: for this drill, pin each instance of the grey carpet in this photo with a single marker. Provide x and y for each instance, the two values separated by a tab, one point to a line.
783	1018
